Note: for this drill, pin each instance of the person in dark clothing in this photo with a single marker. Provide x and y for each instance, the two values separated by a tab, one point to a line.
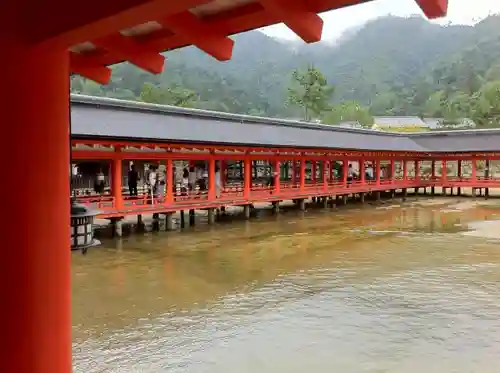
133	178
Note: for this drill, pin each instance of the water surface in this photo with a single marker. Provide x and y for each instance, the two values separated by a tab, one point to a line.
385	289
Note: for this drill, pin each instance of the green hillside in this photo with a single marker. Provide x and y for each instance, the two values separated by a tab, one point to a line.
394	66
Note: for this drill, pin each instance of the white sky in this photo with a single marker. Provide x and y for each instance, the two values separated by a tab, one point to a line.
337	21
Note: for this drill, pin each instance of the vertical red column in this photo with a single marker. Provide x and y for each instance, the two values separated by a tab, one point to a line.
211	178
362	172
417	170
294	172
345	166
35	269
277	176
247	178
459	171
326	172
170	181
444	171
117	180
393	170
433	169
302	173
474	169
377	171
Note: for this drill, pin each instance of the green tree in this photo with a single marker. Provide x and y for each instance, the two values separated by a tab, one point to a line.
349	111
176	96
310	91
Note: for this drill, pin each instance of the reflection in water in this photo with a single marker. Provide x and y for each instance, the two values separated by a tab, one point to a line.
360	290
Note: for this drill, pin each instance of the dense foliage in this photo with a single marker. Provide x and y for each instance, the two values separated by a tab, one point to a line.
392	66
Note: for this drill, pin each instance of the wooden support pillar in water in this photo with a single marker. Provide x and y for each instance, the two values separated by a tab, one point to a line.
169	221
276	207
139	220
246	210
362	197
302	204
325	202
433	191
474	192
211	216
192	215
405	193
183	220
344	199
117	227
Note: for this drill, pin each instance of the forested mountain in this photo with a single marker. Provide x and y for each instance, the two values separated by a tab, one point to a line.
394	66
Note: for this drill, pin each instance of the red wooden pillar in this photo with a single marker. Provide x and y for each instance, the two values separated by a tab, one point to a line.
474	169
362	172
117	182
211	178
326	172
277	176
345	166
417	170
313	172
377	171
35	267
433	169
302	173
459	171
393	170
294	172
247	178
170	181
444	171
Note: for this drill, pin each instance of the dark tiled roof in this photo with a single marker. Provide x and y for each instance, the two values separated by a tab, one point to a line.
94	117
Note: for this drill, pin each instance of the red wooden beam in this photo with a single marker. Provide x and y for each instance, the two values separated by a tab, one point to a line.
81	66
127	48
92	19
433	8
205	37
305	23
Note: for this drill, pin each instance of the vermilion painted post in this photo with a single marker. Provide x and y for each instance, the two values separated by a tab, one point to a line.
417	170
35	272
170	181
277	176
326	167
294	173
444	171
362	171
302	173
345	166
433	170
459	172
393	171
247	178
117	182
211	178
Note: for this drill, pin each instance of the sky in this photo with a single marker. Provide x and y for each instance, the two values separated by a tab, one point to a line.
337	21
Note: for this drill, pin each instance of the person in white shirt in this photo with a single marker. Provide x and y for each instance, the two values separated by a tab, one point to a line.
192	179
152	178
369	172
218	183
99	182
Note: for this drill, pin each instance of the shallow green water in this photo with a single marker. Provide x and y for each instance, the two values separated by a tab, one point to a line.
361	290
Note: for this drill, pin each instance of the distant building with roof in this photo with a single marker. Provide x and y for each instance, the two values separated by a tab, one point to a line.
400	123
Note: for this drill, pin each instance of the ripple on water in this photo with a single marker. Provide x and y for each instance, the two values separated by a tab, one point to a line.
278	298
